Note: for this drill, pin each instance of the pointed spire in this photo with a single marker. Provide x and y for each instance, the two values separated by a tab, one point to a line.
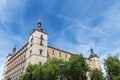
14	49
92	53
39	26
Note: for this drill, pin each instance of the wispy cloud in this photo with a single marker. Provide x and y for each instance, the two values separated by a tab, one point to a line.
7	42
104	37
105	32
85	24
8	14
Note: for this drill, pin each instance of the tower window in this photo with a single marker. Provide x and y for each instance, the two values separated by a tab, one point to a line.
41	43
30	52
41	37
65	55
31	42
60	54
41	51
53	52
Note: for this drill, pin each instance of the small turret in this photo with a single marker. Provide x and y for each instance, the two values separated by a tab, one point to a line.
93	54
39	26
14	49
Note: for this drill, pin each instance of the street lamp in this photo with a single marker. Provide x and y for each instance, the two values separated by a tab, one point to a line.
107	75
62	67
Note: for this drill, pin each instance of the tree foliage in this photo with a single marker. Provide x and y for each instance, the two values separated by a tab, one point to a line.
51	69
36	73
75	69
48	71
96	75
113	65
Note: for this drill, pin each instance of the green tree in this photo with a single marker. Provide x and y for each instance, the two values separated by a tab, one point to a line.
51	69
113	65
76	68
96	75
48	71
35	71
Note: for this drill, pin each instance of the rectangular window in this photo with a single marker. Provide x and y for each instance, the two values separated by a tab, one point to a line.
41	43
30	52
65	55
31	42
41	51
41	37
60	54
53	52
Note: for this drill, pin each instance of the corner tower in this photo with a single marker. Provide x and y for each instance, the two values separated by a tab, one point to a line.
37	47
94	60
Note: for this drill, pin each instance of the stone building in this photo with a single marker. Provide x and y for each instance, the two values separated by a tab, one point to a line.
37	51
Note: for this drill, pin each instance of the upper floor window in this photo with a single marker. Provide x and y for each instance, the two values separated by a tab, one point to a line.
30	52
41	51
41	43
41	37
65	55
53	52
31	41
94	60
60	54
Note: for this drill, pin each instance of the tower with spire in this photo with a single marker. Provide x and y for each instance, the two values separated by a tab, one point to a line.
39	26
37	50
94	60
92	55
14	49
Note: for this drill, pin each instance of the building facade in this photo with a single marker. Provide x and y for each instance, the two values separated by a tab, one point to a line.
37	51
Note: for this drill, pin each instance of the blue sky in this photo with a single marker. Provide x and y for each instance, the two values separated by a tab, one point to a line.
72	25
